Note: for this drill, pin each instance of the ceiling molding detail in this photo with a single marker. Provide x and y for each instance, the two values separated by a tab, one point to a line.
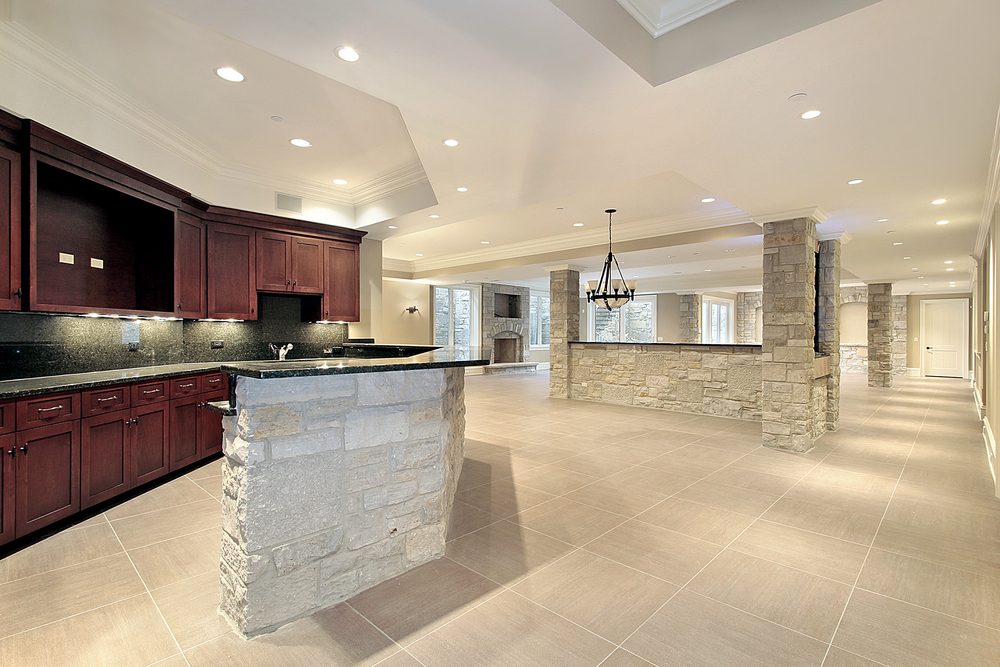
383	186
661	16
397	265
814	212
295	186
843	237
623	233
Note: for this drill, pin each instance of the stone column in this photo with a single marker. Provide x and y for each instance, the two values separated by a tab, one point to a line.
747	304
899	335
564	325
787	356
829	324
880	334
690	318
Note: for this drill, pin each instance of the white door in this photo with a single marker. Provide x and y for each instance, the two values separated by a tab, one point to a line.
944	337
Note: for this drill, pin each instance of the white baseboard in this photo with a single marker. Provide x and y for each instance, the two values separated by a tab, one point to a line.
912	372
991	450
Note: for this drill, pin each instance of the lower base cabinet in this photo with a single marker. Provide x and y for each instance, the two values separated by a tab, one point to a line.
151	446
184	431
7	452
106	451
211	425
46	476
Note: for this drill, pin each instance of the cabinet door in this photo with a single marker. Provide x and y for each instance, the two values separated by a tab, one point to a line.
105	450
7	488
232	292
189	267
342	289
10	229
150	442
47	476
7	416
184	427
274	262
307	265
210	429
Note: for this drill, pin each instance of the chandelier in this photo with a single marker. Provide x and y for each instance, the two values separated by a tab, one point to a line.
610	292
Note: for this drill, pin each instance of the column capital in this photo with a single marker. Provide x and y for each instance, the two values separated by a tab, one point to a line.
564	267
815	213
843	237
879	282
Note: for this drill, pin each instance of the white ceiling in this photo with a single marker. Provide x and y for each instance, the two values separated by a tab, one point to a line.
554	125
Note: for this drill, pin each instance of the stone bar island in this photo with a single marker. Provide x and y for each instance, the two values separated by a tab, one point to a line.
338	475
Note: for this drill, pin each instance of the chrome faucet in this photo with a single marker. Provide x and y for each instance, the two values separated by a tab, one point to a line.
280	351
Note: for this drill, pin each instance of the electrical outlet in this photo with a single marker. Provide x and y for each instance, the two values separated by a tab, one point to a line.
217	344
133	347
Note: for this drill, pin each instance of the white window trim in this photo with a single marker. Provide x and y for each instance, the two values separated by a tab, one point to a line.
592	318
475	331
549	297
730	319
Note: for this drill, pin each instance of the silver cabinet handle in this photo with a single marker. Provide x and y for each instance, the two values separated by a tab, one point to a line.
151	391
182	386
58	407
112	398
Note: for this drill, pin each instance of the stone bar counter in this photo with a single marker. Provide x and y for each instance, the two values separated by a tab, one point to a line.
338	474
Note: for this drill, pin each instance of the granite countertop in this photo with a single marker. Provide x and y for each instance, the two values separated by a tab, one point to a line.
445	357
78	381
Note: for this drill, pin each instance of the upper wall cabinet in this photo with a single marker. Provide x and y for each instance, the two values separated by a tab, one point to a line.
189	274
10	229
342	293
289	263
232	293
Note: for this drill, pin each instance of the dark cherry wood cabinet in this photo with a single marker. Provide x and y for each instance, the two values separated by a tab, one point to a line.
210	428
10	229
342	289
184	431
46	475
106	456
7	412
232	291
47	409
189	267
289	263
307	265
8	451
151	442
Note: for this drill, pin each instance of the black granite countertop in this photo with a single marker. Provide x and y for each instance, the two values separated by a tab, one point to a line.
445	357
78	381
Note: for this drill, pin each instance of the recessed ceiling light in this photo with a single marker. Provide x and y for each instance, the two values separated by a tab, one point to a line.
393	227
855	181
485	242
708	270
731	250
942	222
348	54
301	143
462	189
891	231
434	215
450	142
229	74
925	284
907	257
420	254
708	200
939	201
670	256
339	181
695	253
578	224
914	269
277	119
950	268
949	261
677	273
809	115
882	220
920	277
898	243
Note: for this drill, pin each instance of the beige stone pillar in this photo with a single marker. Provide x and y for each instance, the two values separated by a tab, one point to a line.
793	414
899	334
690	318
880	334
828	305
564	325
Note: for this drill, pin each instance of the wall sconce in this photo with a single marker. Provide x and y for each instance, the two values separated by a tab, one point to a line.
411	309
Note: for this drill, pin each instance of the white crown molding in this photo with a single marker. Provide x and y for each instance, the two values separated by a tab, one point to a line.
397	265
564	267
843	237
992	193
624	232
879	282
814	212
383	186
35	57
661	16
285	184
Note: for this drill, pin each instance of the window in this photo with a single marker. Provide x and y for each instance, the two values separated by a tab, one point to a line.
539	320
455	316
635	322
716	321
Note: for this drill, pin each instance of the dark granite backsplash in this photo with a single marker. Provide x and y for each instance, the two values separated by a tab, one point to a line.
36	344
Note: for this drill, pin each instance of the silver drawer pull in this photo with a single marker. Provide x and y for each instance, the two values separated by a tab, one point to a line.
185	385
151	391
58	407
112	398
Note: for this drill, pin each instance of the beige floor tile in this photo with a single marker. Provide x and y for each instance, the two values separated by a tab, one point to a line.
617	493
693	460
335	637
551	479
419	601
661	441
173	661
503	498
510	630
844	495
605	597
166	524
832	521
752	479
476	473
854	464
896	633
96	520
63	549
212	485
568	521
180	491
818	554
838	657
593	465
170	561
944	519
791	598
623	453
705	425
942	477
505	552
732	498
951	591
694	631
211	469
43	598
978	556
785	464
128	633
503	465
541	453
661	553
622	658
705	522
466	518
732	442
191	609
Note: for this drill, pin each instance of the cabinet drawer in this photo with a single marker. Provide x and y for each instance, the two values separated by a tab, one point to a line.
185	386
101	401
6	416
214	382
150	392
47	409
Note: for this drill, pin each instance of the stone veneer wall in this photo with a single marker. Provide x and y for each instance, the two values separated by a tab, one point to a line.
690	318
493	325
333	484
880	334
747	304
720	380
565	307
899	335
853	358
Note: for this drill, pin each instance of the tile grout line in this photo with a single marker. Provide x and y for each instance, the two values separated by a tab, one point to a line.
881	520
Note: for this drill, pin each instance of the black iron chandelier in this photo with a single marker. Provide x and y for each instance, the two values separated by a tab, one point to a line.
611	292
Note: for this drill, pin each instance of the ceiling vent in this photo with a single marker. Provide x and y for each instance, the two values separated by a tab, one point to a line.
289	203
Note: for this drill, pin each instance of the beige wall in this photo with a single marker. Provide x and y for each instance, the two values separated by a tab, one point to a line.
913	324
370	325
668	318
398	326
854	324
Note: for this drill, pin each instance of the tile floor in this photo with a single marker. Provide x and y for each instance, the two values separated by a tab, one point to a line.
585	535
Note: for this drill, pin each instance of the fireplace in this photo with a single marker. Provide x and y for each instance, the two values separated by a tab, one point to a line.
507	350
